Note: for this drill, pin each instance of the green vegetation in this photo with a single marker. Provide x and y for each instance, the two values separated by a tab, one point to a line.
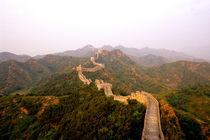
190	127
59	105
150	60
197	90
13	120
84	114
59	84
181	73
178	100
193	99
191	106
125	75
16	75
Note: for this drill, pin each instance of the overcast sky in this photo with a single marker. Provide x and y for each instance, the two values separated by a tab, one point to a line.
46	26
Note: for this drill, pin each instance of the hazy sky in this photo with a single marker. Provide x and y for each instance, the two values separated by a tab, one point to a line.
47	26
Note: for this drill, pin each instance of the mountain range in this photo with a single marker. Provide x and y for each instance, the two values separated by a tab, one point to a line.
120	70
146	56
4	56
18	75
44	97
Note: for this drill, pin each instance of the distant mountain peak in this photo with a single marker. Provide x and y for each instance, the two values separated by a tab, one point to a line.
107	47
5	56
88	47
85	51
151	60
120	47
90	50
116	52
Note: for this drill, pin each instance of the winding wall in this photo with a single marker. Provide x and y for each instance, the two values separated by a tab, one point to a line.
152	126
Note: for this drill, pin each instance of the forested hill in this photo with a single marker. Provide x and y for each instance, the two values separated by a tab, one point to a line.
181	73
83	114
16	75
150	60
185	112
58	106
5	56
125	75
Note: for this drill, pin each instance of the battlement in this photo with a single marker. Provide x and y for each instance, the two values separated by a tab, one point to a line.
83	78
79	68
100	51
142	97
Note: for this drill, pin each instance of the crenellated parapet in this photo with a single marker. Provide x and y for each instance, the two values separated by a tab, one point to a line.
106	86
138	96
83	78
100	51
152	126
79	68
97	64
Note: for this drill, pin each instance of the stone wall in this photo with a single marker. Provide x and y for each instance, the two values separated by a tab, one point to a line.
95	63
83	78
137	96
106	86
158	117
94	69
141	97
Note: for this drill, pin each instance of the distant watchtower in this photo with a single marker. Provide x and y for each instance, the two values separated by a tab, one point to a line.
99	52
79	68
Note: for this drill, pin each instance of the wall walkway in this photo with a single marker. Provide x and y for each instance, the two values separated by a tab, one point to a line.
152	126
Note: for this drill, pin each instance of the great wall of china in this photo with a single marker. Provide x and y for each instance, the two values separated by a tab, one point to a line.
152	126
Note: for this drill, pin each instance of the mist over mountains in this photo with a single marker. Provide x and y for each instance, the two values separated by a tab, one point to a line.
104	70
145	56
4	56
25	87
120	68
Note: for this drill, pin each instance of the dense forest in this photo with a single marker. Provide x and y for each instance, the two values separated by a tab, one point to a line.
189	112
86	113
